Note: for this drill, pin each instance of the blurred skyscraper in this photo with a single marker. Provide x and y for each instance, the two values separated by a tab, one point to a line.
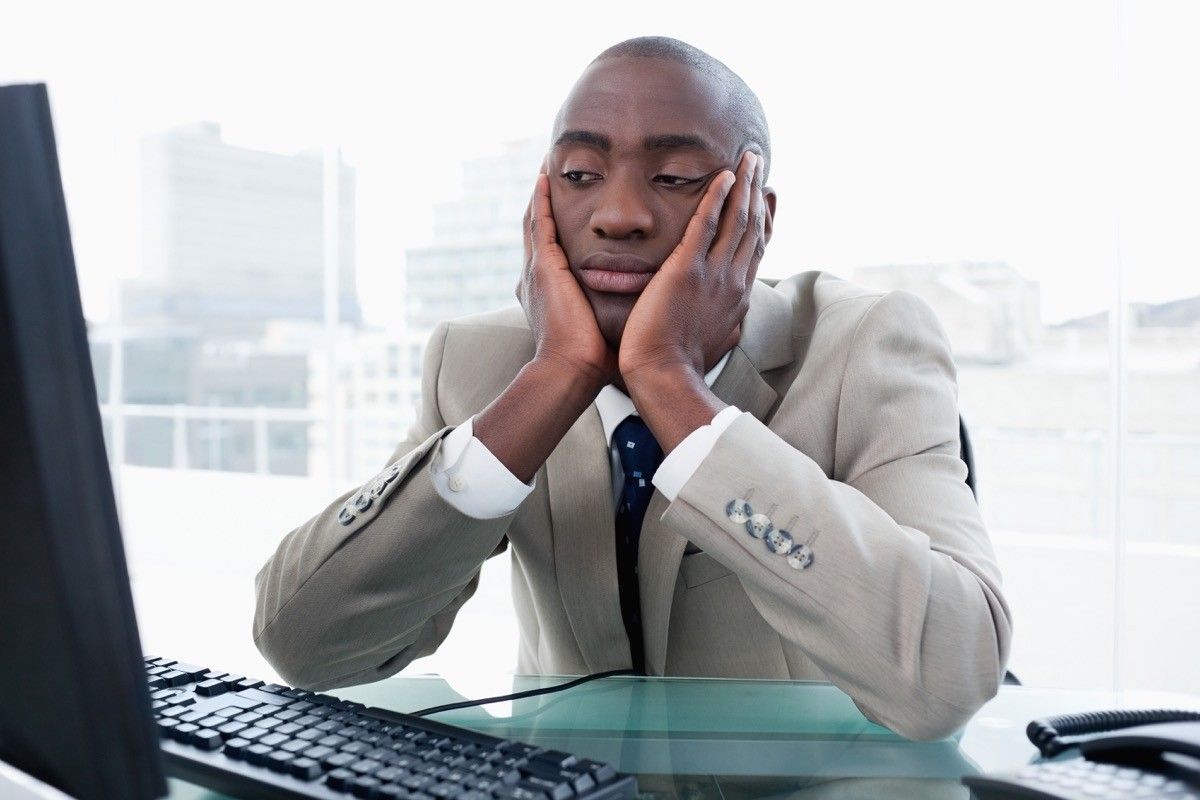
232	237
475	260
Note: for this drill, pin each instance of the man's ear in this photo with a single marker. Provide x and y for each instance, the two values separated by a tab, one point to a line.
768	223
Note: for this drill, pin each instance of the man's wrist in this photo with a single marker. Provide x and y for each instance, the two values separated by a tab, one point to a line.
674	401
587	381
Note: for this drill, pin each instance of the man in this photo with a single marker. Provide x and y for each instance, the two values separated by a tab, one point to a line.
698	473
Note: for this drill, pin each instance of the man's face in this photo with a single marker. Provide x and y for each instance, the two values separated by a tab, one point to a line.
635	146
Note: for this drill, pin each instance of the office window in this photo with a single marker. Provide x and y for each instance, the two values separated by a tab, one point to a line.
263	253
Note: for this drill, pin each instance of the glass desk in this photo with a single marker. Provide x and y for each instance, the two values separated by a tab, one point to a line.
695	739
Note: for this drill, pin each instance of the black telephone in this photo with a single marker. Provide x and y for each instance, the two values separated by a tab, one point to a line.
1156	754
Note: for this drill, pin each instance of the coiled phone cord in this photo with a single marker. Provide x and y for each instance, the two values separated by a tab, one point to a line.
1045	734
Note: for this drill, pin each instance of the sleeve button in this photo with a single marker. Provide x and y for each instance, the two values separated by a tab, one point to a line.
457	483
759	526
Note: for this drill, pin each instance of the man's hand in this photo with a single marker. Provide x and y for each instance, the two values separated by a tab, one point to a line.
571	364
564	326
691	312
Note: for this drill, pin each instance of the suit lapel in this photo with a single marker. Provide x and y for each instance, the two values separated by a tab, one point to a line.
766	344
579	482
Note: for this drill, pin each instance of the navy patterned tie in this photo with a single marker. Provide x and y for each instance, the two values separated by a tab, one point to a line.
640	457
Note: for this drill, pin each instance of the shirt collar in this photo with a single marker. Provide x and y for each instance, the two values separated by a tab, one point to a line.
614	405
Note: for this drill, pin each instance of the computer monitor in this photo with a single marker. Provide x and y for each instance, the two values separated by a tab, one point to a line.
74	705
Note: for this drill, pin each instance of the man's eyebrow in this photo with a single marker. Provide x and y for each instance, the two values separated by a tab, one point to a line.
585	137
675	141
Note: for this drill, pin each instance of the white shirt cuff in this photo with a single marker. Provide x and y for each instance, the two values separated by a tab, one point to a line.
471	479
681	463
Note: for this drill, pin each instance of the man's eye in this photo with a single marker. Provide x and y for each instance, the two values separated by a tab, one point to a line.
579	176
674	180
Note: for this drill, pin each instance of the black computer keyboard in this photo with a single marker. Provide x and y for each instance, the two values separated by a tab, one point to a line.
242	737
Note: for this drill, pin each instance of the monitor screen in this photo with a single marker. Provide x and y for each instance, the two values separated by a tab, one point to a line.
74	706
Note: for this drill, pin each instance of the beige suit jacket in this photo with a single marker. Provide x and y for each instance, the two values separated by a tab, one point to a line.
849	440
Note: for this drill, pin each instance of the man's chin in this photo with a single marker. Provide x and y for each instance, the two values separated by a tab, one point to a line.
612	312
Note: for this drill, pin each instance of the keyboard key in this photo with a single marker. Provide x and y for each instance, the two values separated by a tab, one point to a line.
338	760
279	761
229	729
364	787
212	687
175	678
165	725
444	791
212	722
192	716
517	793
182	731
257	754
268	722
318	752
340	779
389	774
234	748
253	734
365	766
306	769
192	672
294	746
156	683
229	711
556	758
248	717
417	782
248	683
272	739
206	739
310	735
306	720
602	773
274	688
286	715
289	728
518	749
555	790
174	711
397	793
580	781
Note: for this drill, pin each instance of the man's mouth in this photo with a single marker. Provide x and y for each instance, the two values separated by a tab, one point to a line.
616	273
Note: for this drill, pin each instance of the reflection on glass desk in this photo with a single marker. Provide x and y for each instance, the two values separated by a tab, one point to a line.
695	739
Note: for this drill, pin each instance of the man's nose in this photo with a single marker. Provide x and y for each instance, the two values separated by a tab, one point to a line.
622	211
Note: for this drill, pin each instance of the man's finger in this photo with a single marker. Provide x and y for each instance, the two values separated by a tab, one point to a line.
543	232
736	215
750	248
702	227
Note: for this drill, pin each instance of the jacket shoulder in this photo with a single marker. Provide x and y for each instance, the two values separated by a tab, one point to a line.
481	355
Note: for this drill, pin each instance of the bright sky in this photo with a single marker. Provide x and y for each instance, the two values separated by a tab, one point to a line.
902	132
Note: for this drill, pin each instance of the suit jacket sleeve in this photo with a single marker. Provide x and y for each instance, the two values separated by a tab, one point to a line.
902	605
344	604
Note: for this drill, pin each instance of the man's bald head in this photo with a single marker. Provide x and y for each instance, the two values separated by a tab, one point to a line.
744	109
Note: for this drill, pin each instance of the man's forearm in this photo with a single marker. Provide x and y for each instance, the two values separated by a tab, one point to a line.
526	422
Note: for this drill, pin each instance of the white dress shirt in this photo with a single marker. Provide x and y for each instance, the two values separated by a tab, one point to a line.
469	477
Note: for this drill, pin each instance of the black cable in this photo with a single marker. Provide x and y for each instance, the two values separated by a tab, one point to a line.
424	712
1045	734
